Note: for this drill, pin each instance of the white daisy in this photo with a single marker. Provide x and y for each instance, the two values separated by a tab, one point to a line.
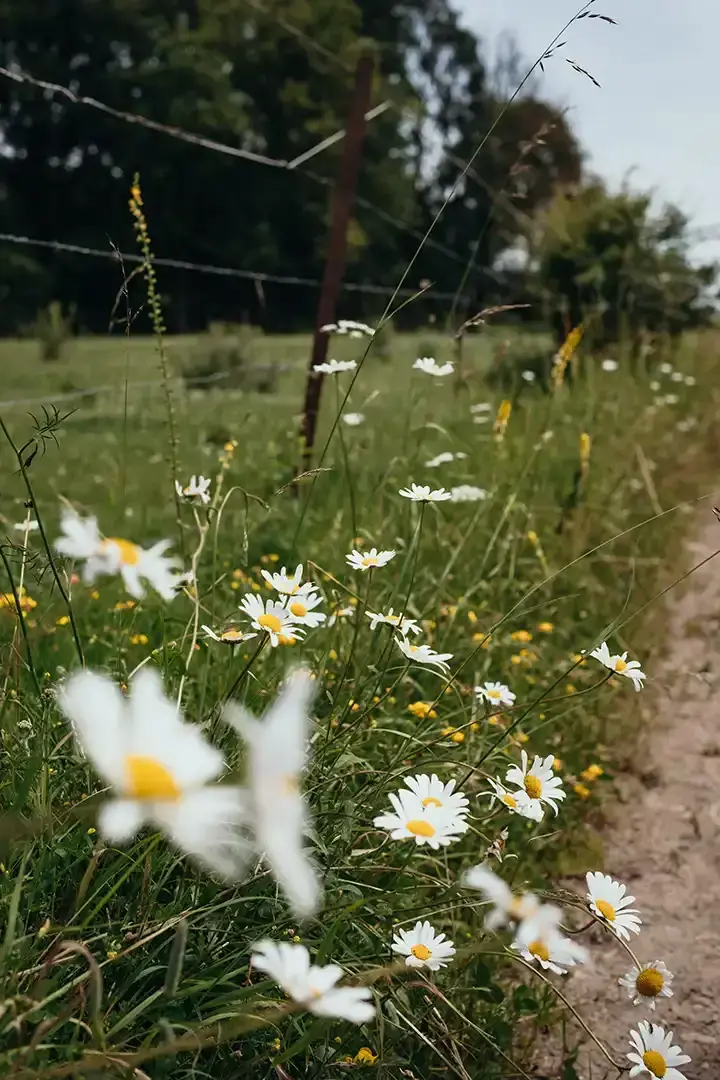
423	654
647	983
654	386
400	622
620	665
333	367
159	768
519	802
348	326
495	693
197	489
419	493
229	636
353	419
468	493
690	380
444	459
552	951
287	584
431	825
277	748
26	526
528	376
677	376
429	366
270	616
538	780
506	905
370	559
654	1053
432	792
423	947
609	365
481	407
666	369
81	539
312	986
340	613
608	899
302	608
481	418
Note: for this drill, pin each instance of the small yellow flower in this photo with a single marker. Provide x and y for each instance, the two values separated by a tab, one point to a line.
7	600
63	620
276	1044
585	444
501	420
472	617
365	1056
571	688
95	595
482	639
557	764
139	639
577	658
286	639
421	709
565	354
91	832
581	791
533	537
297	939
125	605
449	610
521	635
522	737
458	737
592	772
516	659
112	954
332	655
545	627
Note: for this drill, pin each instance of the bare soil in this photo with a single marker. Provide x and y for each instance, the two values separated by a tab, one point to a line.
663	841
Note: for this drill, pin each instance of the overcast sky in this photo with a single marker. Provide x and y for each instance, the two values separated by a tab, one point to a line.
658	109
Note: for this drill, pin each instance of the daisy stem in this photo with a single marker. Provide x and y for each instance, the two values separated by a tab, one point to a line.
359	616
46	544
21	622
202	533
235	686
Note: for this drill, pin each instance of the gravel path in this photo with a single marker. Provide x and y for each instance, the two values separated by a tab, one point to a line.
663	841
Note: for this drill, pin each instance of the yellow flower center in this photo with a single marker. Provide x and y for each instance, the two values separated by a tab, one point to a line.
494	695
370	560
533	786
510	800
299	609
148	779
655	1062
620	665
606	910
538	949
650	982
431	801
517	908
420	827
421	952
286	639
271	623
129	553
232	635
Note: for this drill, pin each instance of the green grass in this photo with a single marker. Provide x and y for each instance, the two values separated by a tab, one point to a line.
468	569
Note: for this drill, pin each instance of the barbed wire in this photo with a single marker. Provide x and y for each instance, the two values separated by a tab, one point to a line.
223	271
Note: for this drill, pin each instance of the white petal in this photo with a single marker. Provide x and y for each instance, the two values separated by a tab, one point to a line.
121	819
95	706
206	824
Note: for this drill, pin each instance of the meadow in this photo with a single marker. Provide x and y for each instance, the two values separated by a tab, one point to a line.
566	524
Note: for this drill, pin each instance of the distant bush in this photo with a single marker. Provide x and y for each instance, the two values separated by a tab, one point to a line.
52	329
227	357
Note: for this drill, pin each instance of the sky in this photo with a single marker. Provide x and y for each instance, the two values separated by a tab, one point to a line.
655	116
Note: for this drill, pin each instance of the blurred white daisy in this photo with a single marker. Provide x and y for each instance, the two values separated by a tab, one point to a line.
481	407
420	493
353	419
653	1053
348	326
423	654
468	493
440	459
302	608
271	616
423	947
431	825
654	386
537	780
230	636
495	693
529	376
287	584
159	767
519	802
647	983
552	951
333	367
26	526
670	399
609	365
312	986
608	899
81	539
198	490
370	559
620	665
400	622
340	613
481	418
432	792
677	376
277	749
690	380
429	366
506	905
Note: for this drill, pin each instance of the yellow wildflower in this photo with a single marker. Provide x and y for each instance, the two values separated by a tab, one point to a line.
480	638
585	444
365	1056
557	764
571	688
139	639
286	639
521	635
421	709
501	420
545	627
565	354
112	954
582	791
125	605
63	620
592	772
472	617
7	600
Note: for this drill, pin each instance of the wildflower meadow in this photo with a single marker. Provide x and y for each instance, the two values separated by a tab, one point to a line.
295	769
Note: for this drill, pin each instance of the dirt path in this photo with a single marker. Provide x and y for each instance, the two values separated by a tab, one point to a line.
663	841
